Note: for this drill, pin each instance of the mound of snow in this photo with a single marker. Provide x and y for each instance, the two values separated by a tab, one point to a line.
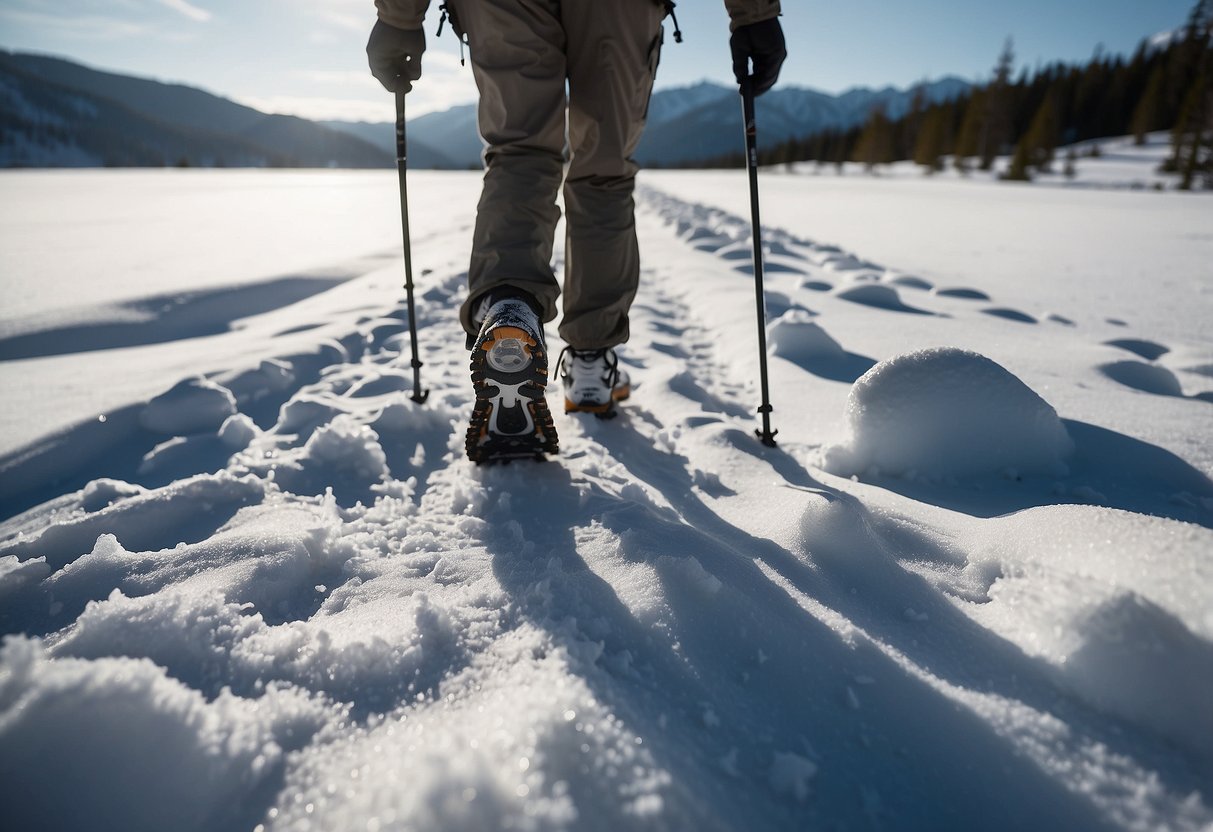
194	405
303	414
237	432
910	281
345	445
1137	661
77	750
270	376
103	492
947	412
1148	378
877	295
796	337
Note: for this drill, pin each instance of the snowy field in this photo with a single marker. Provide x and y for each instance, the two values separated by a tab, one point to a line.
249	584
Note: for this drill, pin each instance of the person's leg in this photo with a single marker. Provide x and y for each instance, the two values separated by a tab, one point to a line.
517	50
613	49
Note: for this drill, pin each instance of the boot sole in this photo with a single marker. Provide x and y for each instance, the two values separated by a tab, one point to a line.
510	419
602	411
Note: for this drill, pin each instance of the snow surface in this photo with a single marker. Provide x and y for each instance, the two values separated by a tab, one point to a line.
249	584
947	412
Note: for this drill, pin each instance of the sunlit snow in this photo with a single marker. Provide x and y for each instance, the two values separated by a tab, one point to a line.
248	583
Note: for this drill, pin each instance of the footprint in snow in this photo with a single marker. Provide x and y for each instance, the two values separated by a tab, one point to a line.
878	296
797	338
909	281
778	249
711	245
962	293
1145	378
863	277
777	304
673	350
847	263
816	285
380	385
1149	350
1009	314
769	267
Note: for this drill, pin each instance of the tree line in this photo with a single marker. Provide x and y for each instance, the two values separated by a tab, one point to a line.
1163	86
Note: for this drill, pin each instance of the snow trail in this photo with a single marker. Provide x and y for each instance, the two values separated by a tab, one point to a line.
326	615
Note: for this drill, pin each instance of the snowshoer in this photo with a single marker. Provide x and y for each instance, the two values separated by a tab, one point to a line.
523	53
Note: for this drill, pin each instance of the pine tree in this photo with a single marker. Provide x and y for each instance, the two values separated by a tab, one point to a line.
1147	114
875	145
1192	136
968	142
1040	109
996	124
907	129
930	147
1021	162
1041	138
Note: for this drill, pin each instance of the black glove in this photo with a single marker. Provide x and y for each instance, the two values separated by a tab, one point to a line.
395	55
762	43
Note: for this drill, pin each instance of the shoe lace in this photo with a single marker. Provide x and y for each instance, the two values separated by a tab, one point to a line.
607	355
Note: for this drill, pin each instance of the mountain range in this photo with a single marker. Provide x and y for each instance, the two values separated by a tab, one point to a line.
56	113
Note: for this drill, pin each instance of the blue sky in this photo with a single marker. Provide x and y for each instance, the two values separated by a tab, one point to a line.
307	57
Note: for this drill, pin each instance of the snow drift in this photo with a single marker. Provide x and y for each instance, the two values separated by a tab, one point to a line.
278	597
947	412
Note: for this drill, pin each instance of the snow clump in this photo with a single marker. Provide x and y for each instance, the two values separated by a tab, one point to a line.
193	405
796	337
947	412
75	743
346	445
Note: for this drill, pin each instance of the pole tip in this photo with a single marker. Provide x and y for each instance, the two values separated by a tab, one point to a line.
766	437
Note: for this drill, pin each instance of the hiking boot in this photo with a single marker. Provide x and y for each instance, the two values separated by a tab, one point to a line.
592	381
510	419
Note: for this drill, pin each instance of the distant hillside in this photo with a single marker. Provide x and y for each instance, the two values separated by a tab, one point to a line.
1028	116
56	113
383	136
704	121
685	124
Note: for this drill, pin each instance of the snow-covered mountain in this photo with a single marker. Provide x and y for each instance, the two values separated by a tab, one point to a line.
59	113
689	124
56	113
702	121
246	582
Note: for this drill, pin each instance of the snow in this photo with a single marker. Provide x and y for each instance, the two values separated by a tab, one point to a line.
947	412
246	582
193	405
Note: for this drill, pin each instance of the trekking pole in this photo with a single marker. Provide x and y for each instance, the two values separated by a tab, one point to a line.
402	169
766	435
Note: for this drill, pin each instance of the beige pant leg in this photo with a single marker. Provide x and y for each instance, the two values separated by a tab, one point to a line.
517	48
522	52
613	49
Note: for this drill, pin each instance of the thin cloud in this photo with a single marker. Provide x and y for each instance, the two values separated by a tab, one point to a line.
345	19
321	109
339	78
86	27
188	9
